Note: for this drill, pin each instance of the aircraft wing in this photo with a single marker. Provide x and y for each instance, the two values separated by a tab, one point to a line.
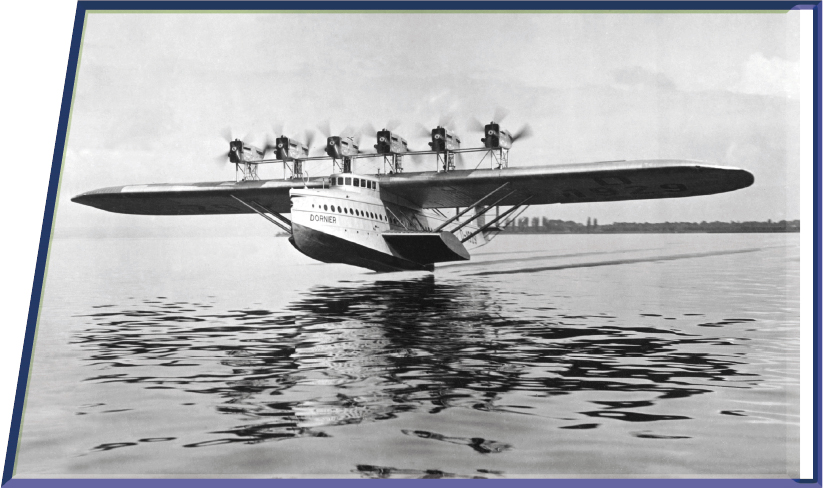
196	198
574	183
590	182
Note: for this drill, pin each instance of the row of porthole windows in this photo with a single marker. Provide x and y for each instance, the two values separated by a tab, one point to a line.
347	211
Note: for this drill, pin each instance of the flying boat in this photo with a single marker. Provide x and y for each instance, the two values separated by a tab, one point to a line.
395	220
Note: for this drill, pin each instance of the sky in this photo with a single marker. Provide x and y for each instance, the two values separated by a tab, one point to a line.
155	91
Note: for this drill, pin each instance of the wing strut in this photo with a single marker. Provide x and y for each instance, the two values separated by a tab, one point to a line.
477	215
283	222
460	214
507	212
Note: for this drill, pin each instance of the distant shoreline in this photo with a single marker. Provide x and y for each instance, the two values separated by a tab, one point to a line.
660	232
546	226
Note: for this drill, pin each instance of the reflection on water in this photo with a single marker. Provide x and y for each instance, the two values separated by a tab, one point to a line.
375	351
545	356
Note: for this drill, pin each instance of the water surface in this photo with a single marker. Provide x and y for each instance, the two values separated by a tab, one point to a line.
546	355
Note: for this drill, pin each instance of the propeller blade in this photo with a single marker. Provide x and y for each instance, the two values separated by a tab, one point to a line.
269	145
325	129
309	139
222	159
500	113
369	129
225	133
422	131
524	132
349	131
278	129
476	125
446	120
392	124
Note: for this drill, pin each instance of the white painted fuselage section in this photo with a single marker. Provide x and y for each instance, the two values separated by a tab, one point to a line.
355	212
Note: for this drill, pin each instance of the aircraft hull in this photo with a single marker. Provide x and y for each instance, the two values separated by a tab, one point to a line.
328	248
347	224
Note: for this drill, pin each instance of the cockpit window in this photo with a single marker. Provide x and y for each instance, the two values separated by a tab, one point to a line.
348	181
357	182
362	183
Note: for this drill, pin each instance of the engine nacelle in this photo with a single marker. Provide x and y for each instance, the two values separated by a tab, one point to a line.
444	140
388	143
341	147
240	153
287	149
495	138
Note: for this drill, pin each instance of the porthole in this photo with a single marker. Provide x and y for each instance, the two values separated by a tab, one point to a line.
325	207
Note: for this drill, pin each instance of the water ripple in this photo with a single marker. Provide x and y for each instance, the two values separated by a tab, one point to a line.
367	352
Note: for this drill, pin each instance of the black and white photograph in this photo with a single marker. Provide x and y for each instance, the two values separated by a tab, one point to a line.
421	244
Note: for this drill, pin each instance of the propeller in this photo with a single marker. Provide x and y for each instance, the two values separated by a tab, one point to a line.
309	140
222	159
524	132
422	131
278	128
325	129
271	143
446	120
391	125
228	135
414	158
476	125
500	114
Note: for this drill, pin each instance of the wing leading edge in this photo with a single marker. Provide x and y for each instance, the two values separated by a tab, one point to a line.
590	182
195	198
577	183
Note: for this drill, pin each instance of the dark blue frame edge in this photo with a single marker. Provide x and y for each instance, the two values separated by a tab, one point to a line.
816	240
43	249
59	149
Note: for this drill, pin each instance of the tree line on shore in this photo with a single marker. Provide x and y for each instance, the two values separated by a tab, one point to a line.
537	225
